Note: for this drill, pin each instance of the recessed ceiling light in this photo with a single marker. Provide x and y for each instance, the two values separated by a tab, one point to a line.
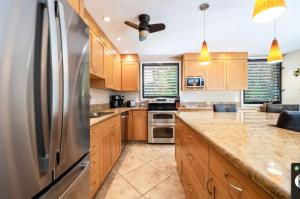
106	19
119	38
126	51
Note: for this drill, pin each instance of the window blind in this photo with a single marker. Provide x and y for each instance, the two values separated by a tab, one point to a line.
264	82
160	80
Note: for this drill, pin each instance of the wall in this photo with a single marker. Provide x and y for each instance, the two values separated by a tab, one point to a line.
100	96
290	83
210	96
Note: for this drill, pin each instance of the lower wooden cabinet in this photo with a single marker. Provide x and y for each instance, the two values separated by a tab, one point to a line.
138	125
205	173
105	149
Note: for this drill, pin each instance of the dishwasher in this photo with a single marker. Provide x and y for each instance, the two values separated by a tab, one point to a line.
124	129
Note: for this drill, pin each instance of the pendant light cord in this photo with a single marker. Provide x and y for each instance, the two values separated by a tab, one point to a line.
204	24
274	29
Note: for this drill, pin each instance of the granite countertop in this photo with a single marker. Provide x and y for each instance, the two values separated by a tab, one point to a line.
115	111
252	108
247	139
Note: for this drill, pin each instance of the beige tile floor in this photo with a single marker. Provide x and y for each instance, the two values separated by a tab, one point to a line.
143	171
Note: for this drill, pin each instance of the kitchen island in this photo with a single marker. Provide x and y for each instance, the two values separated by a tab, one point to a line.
248	142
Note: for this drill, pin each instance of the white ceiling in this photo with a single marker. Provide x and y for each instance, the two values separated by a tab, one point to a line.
228	25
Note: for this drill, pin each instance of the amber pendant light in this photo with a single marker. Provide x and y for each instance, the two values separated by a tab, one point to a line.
268	10
204	58
275	55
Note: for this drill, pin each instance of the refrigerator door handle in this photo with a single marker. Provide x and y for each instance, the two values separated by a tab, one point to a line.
47	124
84	167
65	63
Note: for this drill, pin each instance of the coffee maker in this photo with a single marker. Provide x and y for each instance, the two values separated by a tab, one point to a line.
116	101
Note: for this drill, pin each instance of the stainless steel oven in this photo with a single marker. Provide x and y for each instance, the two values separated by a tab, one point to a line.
161	117
161	133
161	126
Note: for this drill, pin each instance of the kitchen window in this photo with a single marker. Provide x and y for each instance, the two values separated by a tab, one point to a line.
160	80
264	82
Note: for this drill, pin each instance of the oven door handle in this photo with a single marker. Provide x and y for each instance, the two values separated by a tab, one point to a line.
162	125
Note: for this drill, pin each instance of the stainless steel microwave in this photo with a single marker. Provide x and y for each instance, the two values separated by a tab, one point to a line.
195	82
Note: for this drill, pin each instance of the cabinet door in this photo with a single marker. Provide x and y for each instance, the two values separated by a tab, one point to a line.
95	160
130	76
105	152
139	125
97	57
115	142
129	130
216	75
117	73
193	68
237	74
230	181
108	68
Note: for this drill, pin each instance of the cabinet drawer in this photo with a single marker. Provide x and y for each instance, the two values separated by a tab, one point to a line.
234	182
190	183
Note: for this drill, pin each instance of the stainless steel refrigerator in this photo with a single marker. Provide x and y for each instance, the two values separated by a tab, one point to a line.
44	100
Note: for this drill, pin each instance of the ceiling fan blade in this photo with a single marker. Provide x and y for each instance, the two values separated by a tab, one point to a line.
156	27
133	25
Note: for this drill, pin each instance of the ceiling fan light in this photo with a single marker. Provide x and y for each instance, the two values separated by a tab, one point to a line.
275	55
268	10
204	58
143	34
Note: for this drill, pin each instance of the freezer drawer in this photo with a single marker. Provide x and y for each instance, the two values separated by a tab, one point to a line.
72	185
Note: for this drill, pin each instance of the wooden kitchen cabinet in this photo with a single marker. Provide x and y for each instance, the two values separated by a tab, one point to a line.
193	69
115	142
105	149
216	75
227	71
237	74
117	73
108	68
205	173
230	182
97	57
139	125
130	76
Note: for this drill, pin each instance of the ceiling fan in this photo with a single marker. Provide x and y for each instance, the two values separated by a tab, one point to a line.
144	27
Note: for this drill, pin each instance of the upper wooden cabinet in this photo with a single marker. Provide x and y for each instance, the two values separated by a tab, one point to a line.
237	74
227	71
216	75
97	57
117	73
108	68
130	73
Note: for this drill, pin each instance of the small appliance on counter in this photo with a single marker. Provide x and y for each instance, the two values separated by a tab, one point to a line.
131	103
116	101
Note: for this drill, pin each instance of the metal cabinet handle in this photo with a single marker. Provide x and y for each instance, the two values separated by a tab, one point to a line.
190	156
189	135
207	186
232	185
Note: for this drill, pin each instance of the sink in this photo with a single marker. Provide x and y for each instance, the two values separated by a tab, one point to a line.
99	114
